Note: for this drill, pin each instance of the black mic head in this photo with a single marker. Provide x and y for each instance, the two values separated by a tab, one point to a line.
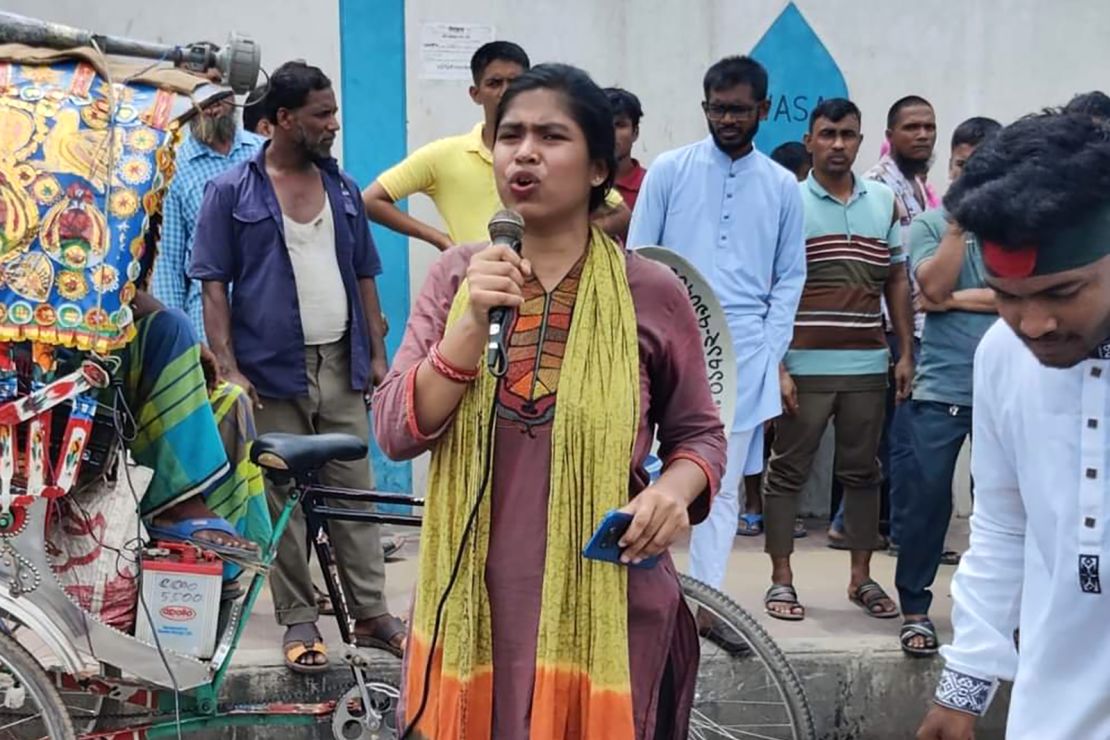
507	225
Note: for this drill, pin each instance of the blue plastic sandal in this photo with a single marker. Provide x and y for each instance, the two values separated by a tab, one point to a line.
187	529
750	525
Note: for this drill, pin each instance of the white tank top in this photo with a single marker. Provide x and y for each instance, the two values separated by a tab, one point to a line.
320	292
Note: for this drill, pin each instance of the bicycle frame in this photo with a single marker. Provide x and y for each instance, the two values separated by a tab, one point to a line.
317	516
75	637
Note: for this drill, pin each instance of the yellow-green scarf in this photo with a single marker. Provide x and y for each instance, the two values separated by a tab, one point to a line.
582	688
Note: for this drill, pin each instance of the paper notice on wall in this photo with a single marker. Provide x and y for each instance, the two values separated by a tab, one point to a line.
446	48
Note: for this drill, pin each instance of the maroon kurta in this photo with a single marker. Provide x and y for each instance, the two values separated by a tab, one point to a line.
674	401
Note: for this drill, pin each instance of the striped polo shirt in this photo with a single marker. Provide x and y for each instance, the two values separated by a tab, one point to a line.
838	330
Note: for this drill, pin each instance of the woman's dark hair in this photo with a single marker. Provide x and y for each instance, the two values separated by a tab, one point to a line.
586	104
289	87
625	104
974	131
1037	175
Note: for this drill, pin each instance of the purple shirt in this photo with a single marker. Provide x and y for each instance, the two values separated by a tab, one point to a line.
240	240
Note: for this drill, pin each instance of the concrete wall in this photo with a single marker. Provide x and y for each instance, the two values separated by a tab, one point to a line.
1002	58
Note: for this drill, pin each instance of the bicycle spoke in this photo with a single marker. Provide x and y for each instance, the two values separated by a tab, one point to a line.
40	712
750	696
721	730
21	721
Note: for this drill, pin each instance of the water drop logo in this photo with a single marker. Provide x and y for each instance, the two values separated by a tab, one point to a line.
802	74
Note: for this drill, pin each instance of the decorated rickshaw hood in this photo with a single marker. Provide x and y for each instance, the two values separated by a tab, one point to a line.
86	152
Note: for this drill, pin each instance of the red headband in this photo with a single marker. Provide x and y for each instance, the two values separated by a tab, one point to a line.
1009	263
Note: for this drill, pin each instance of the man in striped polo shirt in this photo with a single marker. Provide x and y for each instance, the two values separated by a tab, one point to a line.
836	367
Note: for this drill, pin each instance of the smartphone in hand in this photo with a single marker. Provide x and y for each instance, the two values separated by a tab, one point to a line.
605	543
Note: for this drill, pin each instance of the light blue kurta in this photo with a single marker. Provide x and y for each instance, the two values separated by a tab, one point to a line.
741	224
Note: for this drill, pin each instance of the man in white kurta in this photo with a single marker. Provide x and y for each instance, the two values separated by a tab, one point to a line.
737	216
1039	198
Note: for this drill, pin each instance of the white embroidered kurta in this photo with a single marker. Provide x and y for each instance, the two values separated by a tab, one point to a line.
1038	537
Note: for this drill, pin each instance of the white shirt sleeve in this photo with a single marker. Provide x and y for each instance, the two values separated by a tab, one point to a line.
986	590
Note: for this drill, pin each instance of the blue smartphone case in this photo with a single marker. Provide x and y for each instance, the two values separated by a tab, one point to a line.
604	543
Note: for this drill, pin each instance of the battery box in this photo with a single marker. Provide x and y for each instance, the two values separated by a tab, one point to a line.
181	585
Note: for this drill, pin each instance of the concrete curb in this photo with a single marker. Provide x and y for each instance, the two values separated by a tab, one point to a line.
858	689
865	690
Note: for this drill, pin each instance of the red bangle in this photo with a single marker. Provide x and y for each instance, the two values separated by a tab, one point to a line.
447	370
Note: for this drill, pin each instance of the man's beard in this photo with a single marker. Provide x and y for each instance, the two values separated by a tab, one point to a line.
213	131
916	166
729	148
311	149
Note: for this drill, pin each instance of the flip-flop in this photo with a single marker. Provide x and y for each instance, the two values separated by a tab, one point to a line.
750	525
837	540
868	595
780	593
386	631
919	628
187	529
295	649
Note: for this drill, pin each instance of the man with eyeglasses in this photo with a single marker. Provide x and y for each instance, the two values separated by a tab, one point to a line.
737	216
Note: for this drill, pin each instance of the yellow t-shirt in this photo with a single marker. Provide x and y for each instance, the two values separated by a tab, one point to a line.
457	174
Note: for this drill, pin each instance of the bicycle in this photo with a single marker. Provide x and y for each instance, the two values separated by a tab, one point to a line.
745	686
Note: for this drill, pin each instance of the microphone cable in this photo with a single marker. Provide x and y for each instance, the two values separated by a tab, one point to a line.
487	470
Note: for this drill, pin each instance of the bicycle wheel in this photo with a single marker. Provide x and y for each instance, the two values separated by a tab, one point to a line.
29	704
745	687
84	708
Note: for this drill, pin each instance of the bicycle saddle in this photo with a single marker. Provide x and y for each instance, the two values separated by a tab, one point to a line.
303	453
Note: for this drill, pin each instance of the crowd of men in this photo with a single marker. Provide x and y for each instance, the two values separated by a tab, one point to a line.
851	297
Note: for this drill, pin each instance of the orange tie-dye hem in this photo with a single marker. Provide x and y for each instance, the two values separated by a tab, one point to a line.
457	707
565	704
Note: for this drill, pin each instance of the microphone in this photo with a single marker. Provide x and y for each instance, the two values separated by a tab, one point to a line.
506	227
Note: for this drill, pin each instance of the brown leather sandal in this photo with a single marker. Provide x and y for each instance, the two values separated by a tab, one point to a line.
296	647
389	635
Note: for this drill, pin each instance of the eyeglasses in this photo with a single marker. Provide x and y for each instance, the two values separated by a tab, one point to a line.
715	112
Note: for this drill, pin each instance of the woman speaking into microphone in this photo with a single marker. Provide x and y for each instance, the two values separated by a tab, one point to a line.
514	633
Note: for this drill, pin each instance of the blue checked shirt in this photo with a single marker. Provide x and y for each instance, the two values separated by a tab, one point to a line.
196	165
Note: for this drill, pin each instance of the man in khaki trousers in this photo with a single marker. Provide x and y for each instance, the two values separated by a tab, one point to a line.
302	333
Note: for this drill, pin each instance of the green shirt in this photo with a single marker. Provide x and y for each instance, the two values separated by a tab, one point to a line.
950	337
